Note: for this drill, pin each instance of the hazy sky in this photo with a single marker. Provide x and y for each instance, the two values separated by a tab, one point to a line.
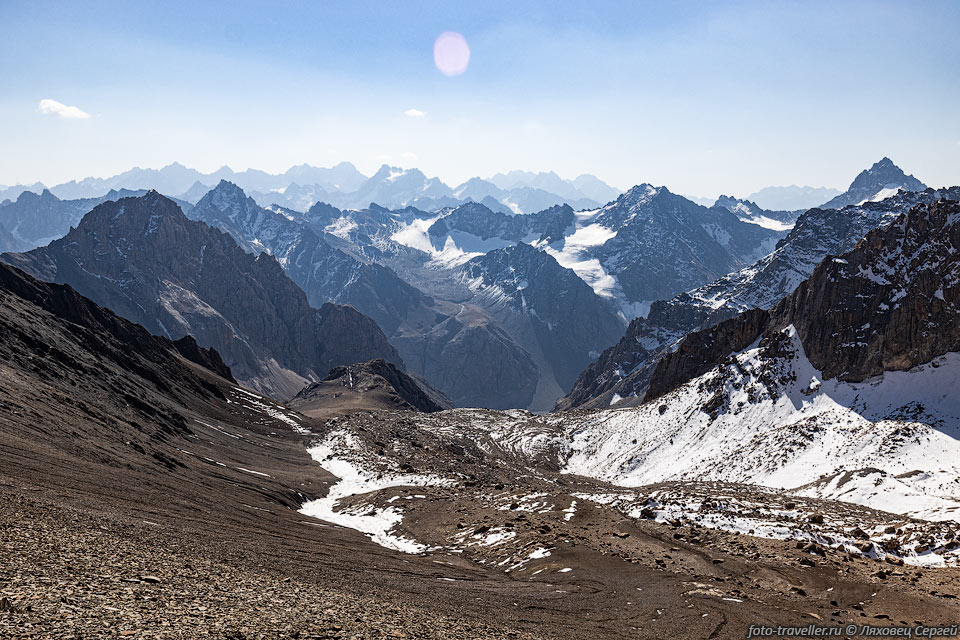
702	97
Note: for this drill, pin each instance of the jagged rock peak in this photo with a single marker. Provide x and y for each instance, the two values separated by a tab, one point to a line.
884	172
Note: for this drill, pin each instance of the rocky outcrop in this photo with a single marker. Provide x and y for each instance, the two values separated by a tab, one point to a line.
99	331
890	304
208	358
347	335
700	351
374	384
145	260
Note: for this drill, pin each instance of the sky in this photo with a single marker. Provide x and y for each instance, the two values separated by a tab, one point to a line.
703	97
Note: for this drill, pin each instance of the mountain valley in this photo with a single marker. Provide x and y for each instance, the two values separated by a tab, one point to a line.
336	422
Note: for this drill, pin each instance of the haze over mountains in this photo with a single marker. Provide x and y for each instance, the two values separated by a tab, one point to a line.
344	186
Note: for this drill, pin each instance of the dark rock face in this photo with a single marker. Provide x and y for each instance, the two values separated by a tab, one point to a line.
890	304
475	361
207	358
346	334
104	330
396	389
145	260
626	368
700	351
571	322
870	182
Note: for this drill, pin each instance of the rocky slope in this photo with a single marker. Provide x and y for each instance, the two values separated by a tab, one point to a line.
624	370
377	384
569	321
880	181
750	211
145	260
663	244
7	241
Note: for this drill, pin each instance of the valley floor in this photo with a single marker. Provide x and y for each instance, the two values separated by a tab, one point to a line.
221	560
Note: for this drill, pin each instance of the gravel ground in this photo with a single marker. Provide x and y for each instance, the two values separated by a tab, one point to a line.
69	574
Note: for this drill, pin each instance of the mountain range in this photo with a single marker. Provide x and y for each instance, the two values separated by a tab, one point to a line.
622	372
301	186
492	308
146	261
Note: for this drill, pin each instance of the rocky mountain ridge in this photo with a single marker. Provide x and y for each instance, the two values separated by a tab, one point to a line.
890	304
35	219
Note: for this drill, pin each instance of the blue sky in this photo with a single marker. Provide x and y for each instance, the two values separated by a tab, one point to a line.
702	97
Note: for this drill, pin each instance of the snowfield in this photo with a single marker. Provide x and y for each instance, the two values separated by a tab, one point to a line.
817	437
377	523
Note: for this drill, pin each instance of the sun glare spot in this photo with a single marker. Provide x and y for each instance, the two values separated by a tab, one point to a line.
451	53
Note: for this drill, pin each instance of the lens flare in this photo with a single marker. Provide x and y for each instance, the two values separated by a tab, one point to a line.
451	53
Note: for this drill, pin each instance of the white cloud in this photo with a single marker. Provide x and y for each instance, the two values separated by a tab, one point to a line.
410	156
414	113
53	108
